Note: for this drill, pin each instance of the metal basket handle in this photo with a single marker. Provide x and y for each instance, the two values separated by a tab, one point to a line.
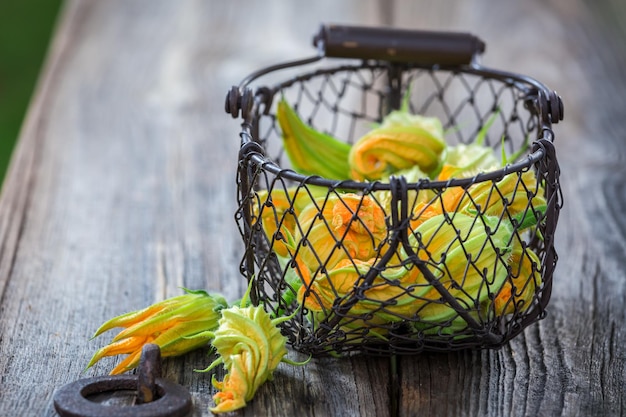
398	45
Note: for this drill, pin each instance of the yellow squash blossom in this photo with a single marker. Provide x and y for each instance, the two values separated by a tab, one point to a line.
467	255
167	324
391	295
402	141
339	227
469	160
385	150
466	161
309	151
515	192
485	198
489	197
517	292
250	347
279	209
415	197
367	318
448	201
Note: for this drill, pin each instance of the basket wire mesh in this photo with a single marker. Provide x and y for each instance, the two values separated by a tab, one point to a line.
404	264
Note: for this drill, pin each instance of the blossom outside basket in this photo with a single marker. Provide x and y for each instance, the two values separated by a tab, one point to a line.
401	264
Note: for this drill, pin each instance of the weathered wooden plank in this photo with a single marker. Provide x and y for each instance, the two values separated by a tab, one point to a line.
326	387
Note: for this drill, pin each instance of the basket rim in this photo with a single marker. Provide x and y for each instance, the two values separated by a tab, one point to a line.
473	68
261	102
257	158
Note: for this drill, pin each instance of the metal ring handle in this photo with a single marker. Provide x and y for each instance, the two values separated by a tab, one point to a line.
71	401
156	397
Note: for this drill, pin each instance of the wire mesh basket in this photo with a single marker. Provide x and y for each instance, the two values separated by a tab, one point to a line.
452	252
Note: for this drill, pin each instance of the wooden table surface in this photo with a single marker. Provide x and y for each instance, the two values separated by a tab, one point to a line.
122	190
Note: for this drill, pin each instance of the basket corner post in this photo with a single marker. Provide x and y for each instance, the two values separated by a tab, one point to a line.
239	102
245	218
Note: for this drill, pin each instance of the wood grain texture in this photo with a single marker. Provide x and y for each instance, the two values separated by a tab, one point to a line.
122	190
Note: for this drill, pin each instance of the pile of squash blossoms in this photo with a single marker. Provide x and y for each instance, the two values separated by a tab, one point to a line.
466	251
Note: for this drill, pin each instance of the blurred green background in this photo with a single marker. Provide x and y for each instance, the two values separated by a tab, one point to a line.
25	30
